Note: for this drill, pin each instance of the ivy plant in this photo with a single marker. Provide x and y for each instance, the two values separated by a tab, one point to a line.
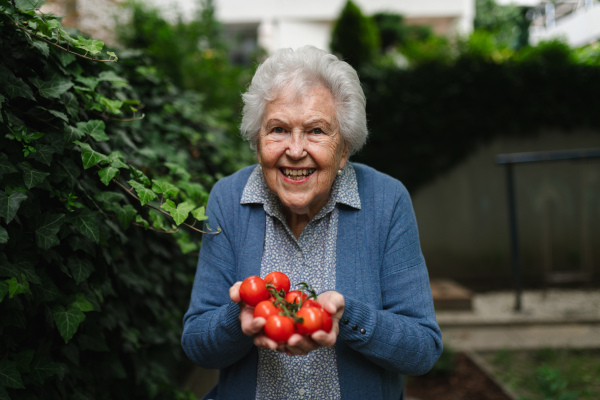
105	168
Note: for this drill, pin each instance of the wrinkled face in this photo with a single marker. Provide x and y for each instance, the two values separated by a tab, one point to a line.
300	149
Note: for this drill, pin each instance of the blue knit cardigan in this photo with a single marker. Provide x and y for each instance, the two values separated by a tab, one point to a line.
388	328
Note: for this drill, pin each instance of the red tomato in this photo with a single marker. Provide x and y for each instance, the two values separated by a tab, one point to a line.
311	320
295	296
311	303
253	290
265	309
279	328
279	280
326	321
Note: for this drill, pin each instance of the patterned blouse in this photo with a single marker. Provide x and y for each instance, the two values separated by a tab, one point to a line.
310	258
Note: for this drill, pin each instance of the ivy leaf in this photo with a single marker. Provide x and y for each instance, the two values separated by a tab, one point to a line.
26	266
23	360
70	102
41	369
90	81
16	286
144	194
89	156
140	220
112	106
117	160
86	223
164	187
106	174
9	375
80	268
179	212
198	213
94	46
95	128
125	215
67	321
31	176
3	236
47	228
41	47
13	86
73	134
47	290
82	303
28	5
5	166
53	88
43	153
9	205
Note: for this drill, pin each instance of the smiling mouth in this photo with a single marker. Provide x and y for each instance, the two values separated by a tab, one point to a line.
297	174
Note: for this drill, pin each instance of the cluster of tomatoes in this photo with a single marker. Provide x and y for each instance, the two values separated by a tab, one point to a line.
286	312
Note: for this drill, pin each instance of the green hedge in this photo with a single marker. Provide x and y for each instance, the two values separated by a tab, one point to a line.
425	119
102	166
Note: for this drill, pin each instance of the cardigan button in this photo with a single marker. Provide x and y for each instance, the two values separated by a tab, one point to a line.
346	322
363	331
354	327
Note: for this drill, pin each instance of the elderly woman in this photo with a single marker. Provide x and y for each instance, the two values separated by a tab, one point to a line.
308	212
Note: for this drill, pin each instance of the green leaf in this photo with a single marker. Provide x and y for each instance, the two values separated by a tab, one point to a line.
82	303
31	176
23	360
25	265
140	220
9	375
9	205
95	128
89	156
52	88
110	76
112	106
94	46
41	47
41	369
164	187
3	394
125	215
5	166
198	213
43	153
47	290
90	81
67	321
144	194
16	286
27	5
86	223
64	58
179	212
111	54
73	134
70	103
3	236
12	86
47	227
80	268
106	174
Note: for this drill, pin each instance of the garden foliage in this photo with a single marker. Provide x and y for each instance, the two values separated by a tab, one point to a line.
427	117
105	168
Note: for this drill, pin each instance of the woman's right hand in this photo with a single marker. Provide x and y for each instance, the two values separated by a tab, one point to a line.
252	326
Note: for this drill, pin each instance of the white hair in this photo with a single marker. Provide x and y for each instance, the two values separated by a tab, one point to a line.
300	70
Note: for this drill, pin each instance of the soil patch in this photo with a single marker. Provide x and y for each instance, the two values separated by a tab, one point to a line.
465	382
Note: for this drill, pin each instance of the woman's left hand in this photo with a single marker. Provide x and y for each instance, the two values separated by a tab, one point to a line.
297	345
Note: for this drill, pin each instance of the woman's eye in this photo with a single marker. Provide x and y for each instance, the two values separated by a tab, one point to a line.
277	129
317	131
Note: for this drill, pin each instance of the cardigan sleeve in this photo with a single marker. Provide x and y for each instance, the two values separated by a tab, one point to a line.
212	335
399	333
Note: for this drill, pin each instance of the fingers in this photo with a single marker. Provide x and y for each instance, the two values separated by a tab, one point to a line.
234	292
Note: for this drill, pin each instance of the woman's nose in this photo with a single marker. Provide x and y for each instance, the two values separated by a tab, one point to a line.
296	146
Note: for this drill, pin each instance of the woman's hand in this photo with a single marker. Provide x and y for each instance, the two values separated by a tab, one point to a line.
297	344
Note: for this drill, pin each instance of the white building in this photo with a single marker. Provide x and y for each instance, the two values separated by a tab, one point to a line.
575	21
273	24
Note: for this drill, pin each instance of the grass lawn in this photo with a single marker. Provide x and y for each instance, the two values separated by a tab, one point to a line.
545	374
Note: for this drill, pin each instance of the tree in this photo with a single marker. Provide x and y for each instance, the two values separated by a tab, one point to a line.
355	37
